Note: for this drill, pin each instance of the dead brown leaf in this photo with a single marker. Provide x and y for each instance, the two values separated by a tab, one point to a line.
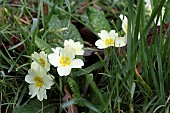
67	97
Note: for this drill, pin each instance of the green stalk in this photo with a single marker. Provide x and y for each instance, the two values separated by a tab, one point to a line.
130	47
117	92
61	86
42	107
160	71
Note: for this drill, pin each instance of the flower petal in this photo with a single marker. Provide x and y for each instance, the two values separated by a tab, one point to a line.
47	66
78	47
57	50
43	55
35	56
120	42
124	23
77	63
100	44
48	81
68	42
79	52
103	34
42	94
35	68
38	69
64	71
69	52
54	59
121	16
29	79
113	34
33	90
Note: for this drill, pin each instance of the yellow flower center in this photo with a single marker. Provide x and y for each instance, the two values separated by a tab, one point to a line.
39	82
42	62
65	61
109	41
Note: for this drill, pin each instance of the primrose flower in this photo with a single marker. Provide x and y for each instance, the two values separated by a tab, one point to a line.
77	46
110	39
124	23
40	59
148	7
64	60
39	81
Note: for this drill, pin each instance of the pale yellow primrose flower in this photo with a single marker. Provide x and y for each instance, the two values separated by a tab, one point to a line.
124	23
40	59
109	39
39	81
148	7
64	60
77	46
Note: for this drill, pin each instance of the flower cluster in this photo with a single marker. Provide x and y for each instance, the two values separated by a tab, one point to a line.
63	58
37	76
112	38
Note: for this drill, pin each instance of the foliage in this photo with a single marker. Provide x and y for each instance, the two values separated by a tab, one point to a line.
36	107
134	78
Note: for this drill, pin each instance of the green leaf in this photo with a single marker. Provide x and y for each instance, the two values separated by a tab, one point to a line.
167	12
84	102
89	69
75	89
35	106
97	97
41	44
61	30
97	19
89	78
167	109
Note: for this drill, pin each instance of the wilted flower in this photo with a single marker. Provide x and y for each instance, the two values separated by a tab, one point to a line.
77	46
110	39
40	59
64	60
124	23
39	81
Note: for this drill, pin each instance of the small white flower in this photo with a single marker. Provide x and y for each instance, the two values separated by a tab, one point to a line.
124	23
77	46
39	81
41	59
148	7
64	60
109	39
